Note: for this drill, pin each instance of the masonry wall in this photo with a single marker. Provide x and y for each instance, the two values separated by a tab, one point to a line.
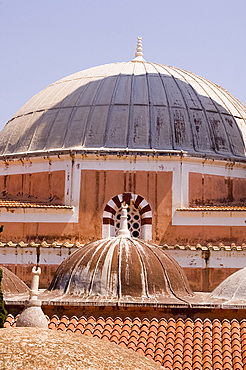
40	187
216	190
96	187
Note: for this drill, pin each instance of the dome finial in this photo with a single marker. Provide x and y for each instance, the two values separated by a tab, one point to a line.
139	53
32	315
123	230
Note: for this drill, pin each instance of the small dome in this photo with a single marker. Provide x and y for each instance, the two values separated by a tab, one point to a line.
12	284
123	107
120	268
232	288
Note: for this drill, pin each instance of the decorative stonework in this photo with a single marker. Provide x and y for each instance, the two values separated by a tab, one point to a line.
139	216
133	220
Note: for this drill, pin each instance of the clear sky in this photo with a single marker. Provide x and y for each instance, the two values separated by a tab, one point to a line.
45	40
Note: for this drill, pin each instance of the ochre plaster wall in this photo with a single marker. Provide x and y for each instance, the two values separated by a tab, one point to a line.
207	279
203	235
98	187
216	190
43	187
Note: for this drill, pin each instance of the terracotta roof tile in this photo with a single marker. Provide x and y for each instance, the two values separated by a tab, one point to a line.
115	336
123	342
207	345
63	323
133	342
101	321
158	359
141	347
44	244
118	321
150	348
178	350
226	344
236	345
127	321
213	208
197	344
9	321
98	329
17	204
91	320
243	341
97	334
53	322
219	247
82	320
72	324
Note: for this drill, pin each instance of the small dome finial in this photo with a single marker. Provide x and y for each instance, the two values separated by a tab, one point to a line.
32	315
123	230
139	53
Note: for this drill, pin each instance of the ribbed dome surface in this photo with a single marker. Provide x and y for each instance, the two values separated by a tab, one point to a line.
138	106
120	267
232	288
12	284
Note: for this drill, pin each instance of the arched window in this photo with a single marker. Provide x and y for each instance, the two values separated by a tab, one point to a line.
139	216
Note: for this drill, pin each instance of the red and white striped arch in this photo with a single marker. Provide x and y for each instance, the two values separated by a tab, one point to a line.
111	208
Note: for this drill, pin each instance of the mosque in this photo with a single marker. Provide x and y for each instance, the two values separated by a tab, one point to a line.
139	169
169	143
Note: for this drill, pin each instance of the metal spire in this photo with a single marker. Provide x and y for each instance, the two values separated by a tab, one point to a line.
139	53
123	230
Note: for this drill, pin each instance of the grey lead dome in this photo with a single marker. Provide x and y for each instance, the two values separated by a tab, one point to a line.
122	107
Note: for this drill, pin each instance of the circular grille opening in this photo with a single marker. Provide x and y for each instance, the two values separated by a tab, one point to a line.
133	220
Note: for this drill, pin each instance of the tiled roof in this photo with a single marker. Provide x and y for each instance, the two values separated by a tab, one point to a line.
219	247
175	344
43	244
55	244
213	208
17	204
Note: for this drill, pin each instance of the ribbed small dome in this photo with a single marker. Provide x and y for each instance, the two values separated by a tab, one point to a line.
120	267
12	284
232	288
138	106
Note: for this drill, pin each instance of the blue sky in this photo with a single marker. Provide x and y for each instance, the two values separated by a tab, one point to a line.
45	40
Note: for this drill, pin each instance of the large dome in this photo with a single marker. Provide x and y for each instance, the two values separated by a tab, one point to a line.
121	269
129	107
